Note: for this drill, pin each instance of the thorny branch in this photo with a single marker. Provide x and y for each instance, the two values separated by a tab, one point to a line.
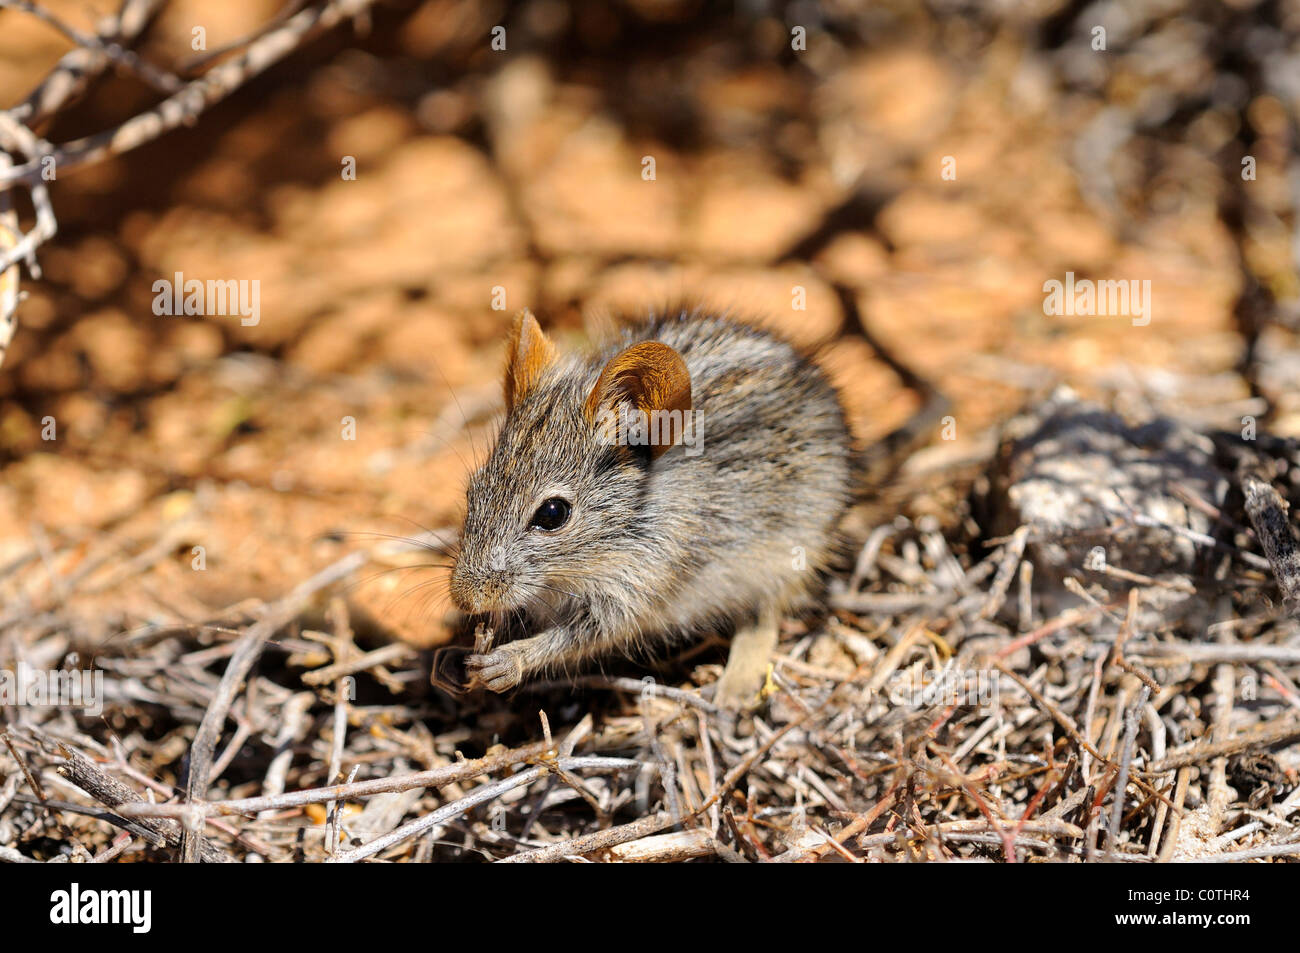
185	102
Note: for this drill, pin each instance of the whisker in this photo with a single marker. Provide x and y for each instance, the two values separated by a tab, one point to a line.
432	532
447	444
467	430
555	616
428	606
352	587
542	585
436	534
399	597
415	542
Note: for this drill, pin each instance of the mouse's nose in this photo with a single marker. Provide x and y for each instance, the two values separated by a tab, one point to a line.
475	589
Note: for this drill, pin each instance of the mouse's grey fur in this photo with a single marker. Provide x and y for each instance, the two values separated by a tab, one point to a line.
663	548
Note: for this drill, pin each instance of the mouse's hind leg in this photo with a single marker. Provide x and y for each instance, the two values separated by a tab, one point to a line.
743	678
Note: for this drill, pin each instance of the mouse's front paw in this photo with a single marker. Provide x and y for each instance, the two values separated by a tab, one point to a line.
497	671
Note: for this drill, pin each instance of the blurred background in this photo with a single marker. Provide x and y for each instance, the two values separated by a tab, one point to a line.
938	161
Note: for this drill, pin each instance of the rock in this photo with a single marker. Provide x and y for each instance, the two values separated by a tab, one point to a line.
1092	487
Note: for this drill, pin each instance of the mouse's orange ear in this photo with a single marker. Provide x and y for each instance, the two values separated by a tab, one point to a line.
527	355
649	377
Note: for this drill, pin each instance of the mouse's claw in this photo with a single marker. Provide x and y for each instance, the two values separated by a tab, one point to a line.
497	671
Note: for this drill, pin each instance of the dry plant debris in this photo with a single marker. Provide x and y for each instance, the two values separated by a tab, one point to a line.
933	713
969	692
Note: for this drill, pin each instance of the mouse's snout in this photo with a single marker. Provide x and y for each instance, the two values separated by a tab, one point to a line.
463	591
477	589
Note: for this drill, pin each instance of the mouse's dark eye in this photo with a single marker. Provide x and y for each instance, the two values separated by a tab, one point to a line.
552	514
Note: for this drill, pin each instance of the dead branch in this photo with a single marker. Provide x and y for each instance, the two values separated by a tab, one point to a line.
79	771
1269	733
1268	514
246	652
185	102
